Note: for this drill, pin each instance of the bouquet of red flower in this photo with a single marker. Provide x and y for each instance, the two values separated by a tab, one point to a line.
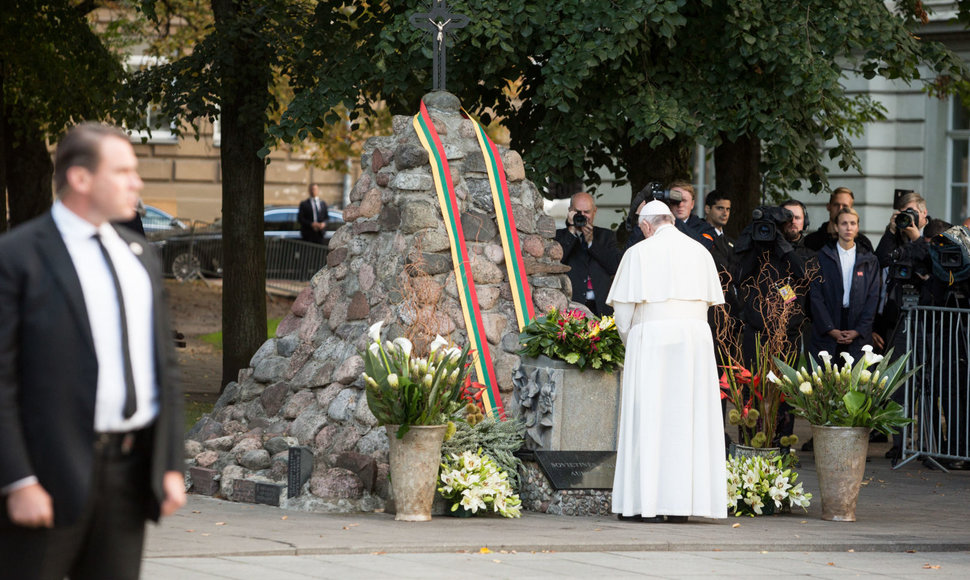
575	338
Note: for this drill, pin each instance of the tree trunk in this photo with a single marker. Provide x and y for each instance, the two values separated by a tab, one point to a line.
244	100
736	169
27	172
665	163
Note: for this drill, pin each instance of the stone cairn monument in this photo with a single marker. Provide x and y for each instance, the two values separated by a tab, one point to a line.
391	262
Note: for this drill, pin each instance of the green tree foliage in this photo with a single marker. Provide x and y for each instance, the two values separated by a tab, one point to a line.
631	84
231	74
55	70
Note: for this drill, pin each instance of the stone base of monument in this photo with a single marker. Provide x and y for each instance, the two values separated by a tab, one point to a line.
565	408
539	495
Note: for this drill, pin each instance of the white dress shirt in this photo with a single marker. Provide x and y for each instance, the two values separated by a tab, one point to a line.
104	317
847	261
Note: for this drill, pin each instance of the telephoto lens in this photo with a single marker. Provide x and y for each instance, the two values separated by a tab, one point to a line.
579	220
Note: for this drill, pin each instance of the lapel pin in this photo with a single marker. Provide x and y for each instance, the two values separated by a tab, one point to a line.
136	248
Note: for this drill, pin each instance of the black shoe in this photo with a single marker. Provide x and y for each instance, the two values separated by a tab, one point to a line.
624	518
893	453
652	520
676	519
808	446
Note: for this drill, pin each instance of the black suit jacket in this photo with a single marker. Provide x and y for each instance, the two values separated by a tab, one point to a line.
599	262
305	216
49	371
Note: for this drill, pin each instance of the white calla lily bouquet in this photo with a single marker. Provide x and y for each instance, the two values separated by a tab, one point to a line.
857	394
411	390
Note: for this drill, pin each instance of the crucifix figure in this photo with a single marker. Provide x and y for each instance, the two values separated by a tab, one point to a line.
439	22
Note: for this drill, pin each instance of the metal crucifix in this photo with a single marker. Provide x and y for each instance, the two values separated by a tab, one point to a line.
439	22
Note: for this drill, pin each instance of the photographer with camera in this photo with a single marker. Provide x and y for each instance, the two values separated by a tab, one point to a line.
591	254
905	250
679	197
767	263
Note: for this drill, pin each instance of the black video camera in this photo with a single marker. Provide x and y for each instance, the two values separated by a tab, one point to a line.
766	221
655	191
906	218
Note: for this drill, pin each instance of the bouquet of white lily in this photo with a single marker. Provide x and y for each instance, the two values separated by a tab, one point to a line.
760	486
473	481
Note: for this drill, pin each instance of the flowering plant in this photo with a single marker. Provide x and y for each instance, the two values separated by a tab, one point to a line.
575	338
473	481
763	486
754	401
407	391
855	395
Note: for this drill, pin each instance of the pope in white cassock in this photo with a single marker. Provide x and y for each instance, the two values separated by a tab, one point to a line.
670	452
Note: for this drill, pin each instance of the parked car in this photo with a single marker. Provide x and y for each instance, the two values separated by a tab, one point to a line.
158	223
198	250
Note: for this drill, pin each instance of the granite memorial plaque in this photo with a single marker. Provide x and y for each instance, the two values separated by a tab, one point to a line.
578	469
204	480
268	493
244	490
300	464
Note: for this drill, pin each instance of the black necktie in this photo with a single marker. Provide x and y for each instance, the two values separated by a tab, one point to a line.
131	399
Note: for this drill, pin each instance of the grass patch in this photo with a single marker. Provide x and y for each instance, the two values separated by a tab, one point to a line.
215	338
194	410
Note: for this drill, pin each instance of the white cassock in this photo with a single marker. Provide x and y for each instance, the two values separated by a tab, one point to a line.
670	448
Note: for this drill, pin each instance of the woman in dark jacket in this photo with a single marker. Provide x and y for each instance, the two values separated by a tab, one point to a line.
842	320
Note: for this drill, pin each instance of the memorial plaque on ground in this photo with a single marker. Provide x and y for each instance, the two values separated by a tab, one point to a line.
244	490
268	493
578	469
204	480
300	464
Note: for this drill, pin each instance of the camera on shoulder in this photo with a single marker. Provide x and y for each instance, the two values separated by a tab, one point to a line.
766	222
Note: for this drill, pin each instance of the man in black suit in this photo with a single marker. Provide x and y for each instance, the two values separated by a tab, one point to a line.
591	252
90	413
841	198
313	216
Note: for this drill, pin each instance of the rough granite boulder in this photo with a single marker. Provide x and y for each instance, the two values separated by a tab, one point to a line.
391	263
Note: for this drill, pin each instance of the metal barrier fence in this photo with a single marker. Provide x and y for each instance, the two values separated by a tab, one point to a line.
194	251
936	396
291	263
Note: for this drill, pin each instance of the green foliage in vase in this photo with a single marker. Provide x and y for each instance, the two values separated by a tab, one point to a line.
496	439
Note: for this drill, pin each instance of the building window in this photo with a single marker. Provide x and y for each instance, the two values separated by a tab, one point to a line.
162	127
958	146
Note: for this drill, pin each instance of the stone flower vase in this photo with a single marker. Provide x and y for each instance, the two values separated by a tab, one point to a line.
414	462
840	460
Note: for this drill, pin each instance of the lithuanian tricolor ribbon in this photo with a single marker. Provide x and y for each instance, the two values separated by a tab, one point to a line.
448	201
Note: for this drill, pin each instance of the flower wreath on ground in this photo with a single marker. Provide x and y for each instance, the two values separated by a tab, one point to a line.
764	486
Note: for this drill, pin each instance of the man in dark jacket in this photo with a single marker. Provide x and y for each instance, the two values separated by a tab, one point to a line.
313	215
91	420
687	222
841	198
590	252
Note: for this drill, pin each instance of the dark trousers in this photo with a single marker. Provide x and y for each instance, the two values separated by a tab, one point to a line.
107	540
